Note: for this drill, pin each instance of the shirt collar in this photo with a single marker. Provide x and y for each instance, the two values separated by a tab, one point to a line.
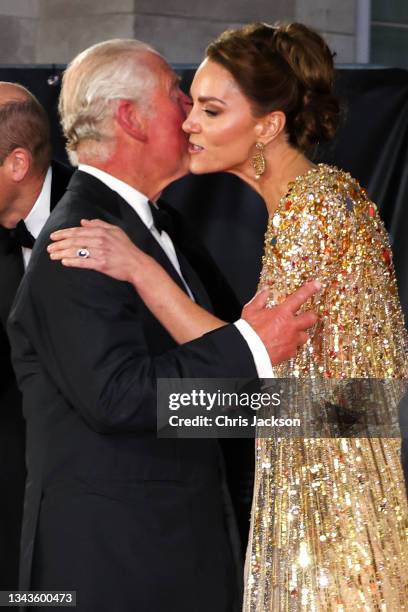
138	201
40	212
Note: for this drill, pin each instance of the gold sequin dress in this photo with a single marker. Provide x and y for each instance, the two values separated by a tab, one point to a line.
330	519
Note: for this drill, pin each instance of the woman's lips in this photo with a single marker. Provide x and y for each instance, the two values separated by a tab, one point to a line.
194	149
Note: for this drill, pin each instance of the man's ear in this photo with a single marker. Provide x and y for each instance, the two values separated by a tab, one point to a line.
18	163
270	126
131	120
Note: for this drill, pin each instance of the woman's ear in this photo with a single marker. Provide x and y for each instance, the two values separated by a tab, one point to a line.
270	126
130	120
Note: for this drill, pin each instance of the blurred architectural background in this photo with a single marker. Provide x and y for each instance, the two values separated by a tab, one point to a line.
389	32
53	31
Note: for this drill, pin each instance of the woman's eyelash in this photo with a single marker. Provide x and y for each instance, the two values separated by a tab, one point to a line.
209	112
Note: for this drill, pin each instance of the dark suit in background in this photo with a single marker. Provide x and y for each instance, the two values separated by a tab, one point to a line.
12	427
130	521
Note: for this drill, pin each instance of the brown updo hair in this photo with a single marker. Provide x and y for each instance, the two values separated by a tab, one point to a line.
287	68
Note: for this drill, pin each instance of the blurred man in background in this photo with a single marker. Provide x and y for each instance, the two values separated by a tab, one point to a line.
30	186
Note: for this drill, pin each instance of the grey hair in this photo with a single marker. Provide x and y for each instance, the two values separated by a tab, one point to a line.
92	83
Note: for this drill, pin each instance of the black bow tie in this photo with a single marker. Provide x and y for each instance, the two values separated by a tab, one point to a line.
12	239
161	219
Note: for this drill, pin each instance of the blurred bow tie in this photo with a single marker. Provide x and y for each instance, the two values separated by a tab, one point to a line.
161	219
13	239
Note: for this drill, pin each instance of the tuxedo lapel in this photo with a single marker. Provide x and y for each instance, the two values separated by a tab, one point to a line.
11	273
12	264
112	203
61	176
193	281
144	239
181	237
142	236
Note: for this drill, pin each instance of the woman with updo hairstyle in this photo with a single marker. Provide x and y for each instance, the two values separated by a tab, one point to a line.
329	518
288	68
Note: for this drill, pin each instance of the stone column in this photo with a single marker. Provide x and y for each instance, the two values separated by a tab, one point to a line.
18	27
54	31
68	26
336	20
180	29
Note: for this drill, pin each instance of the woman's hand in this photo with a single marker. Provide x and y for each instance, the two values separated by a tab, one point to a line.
112	253
110	250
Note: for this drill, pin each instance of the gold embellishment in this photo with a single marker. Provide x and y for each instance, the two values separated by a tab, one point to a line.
330	518
258	161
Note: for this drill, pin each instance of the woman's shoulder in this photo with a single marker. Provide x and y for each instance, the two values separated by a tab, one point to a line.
325	204
325	182
327	191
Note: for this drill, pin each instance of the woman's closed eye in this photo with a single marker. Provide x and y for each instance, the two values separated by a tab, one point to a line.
210	112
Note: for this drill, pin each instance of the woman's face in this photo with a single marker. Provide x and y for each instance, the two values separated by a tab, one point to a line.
220	126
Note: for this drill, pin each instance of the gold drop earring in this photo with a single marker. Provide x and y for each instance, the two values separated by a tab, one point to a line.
258	161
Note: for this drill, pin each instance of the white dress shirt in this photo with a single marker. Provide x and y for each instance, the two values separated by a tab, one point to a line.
139	202
39	214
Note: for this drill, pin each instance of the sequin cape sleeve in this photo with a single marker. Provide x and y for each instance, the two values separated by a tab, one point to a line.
329	516
327	228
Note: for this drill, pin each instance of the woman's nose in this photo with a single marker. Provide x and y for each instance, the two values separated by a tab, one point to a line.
190	126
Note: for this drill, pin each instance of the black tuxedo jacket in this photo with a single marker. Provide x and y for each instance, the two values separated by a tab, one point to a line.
12	429
130	521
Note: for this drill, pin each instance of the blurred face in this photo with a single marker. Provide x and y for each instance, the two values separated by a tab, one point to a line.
169	106
9	174
7	189
220	126
13	171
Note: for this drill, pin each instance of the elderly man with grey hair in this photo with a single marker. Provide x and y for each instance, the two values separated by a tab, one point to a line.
129	521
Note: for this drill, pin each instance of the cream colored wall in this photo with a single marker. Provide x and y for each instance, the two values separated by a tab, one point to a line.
53	31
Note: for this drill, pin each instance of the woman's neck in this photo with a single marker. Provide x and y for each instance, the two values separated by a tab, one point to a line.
283	165
274	183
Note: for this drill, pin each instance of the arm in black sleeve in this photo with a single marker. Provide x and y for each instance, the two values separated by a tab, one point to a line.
88	331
